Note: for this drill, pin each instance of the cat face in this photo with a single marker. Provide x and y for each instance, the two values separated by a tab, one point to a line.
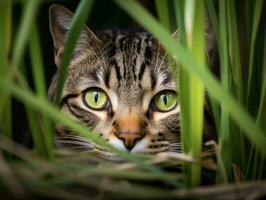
119	84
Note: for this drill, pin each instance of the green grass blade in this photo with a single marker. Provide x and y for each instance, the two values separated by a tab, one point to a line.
37	63
261	117
234	55
43	138
163	13
213	17
5	41
197	88
224	133
215	28
238	114
179	14
239	155
183	78
255	24
28	17
5	33
184	91
194	23
77	23
38	144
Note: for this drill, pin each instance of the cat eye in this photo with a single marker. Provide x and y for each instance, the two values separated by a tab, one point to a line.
95	98
165	101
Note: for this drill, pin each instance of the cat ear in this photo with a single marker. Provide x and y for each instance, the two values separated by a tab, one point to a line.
60	21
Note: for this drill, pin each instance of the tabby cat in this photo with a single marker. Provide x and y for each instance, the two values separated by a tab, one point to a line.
120	85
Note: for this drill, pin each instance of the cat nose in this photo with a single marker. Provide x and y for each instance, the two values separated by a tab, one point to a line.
129	128
129	138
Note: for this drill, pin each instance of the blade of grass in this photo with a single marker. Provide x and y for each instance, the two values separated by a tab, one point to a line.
28	17
20	75
77	23
213	18
179	14
224	133
5	33
255	160
234	54
184	77
261	117
214	24
5	41
255	24
43	137
163	13
239	115
183	88
38	142
194	26
237	86
37	63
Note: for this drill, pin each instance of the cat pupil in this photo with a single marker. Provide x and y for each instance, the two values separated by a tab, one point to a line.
165	99
96	97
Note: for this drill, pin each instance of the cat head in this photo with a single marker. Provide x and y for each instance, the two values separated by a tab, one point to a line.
120	85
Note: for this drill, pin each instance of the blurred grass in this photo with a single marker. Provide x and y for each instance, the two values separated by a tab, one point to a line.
224	133
240	122
163	13
5	40
22	35
42	134
194	17
191	92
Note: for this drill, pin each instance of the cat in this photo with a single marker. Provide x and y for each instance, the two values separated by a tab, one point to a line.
120	85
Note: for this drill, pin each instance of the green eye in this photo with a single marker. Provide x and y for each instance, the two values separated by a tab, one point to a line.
96	98
165	101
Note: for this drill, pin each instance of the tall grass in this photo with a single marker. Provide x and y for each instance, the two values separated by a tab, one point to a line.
238	99
5	39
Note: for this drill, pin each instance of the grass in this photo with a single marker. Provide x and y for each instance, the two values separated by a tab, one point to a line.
238	100
5	39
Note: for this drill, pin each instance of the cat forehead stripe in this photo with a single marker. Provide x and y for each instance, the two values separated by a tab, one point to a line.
130	54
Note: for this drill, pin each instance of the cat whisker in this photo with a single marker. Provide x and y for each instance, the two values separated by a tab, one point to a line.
175	147
73	142
70	136
75	139
175	150
175	144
